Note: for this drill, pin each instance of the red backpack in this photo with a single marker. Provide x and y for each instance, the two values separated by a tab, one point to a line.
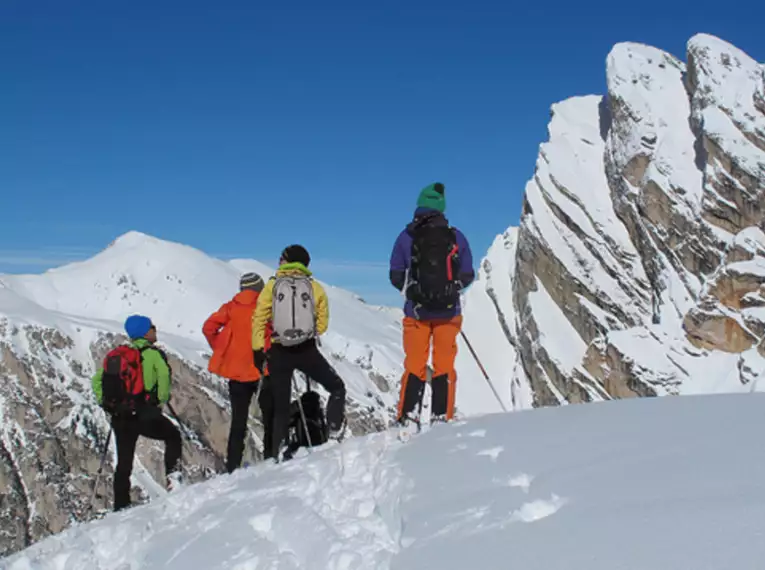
122	380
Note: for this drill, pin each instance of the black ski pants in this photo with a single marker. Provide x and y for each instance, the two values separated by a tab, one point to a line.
282	363
148	422
241	394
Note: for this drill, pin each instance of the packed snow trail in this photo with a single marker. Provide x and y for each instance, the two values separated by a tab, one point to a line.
660	483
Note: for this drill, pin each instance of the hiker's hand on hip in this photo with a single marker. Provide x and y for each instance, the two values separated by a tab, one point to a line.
259	358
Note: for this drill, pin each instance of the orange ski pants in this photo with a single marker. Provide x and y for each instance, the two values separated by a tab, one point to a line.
418	336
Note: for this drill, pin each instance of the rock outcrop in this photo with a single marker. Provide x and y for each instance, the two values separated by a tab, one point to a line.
639	263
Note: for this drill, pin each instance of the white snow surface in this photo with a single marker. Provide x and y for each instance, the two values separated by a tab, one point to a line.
660	483
751	239
753	267
729	82
648	84
556	334
489	325
671	365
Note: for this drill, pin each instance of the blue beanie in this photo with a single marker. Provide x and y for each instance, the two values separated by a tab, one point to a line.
136	326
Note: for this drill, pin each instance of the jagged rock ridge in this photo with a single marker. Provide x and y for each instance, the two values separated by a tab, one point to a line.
639	262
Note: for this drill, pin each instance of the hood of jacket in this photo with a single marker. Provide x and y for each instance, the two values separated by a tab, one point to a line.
246	297
293	268
426	216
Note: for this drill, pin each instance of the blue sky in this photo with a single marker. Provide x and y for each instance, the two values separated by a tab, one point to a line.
241	126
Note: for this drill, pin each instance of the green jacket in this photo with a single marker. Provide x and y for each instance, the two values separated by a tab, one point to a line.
156	373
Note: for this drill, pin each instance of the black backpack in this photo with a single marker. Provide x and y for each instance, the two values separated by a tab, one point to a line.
434	271
316	423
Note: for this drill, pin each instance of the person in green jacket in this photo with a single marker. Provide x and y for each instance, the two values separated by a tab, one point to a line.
146	419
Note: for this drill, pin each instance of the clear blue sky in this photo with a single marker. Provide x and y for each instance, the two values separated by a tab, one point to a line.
239	127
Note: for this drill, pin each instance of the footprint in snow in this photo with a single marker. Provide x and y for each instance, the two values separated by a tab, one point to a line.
529	512
458	447
538	510
477	433
521	481
262	523
492	452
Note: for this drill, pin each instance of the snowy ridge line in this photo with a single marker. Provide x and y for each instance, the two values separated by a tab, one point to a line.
492	490
57	326
347	496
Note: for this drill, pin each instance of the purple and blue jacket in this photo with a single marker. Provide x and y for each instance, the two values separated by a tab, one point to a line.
401	259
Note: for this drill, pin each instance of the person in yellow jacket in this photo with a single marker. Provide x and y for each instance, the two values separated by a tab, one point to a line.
297	309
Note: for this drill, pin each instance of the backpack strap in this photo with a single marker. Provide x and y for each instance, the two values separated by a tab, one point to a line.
154	391
161	353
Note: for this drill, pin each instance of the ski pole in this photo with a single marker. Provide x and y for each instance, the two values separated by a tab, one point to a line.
485	375
419	410
187	433
184	430
100	469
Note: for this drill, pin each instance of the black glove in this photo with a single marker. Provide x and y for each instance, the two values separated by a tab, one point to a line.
259	358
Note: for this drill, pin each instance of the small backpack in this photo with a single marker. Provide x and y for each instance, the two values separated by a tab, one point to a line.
434	270
294	318
122	380
315	423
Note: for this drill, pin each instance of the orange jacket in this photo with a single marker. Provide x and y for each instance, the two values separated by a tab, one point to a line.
229	333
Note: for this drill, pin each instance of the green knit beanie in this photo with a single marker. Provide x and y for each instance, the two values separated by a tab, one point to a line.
432	196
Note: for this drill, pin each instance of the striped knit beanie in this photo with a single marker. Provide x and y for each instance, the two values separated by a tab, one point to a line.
251	281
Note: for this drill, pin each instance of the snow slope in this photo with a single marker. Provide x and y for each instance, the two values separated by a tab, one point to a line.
489	325
56	327
179	287
659	483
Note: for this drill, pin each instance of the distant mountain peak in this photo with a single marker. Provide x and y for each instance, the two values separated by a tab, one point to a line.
55	329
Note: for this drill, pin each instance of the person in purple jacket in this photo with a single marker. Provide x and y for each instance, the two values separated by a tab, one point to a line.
431	263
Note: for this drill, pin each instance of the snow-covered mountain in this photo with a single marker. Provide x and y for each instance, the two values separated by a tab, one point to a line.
639	262
56	327
632	484
637	269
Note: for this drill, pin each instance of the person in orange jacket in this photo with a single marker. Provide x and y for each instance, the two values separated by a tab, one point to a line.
229	333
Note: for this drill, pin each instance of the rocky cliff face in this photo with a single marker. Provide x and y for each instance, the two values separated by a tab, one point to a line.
639	262
55	329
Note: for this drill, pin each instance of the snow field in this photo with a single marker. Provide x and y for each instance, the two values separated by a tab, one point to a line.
659	483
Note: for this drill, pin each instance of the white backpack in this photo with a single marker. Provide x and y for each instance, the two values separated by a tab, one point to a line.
293	315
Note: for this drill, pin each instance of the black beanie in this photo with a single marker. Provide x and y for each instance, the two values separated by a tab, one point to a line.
296	254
